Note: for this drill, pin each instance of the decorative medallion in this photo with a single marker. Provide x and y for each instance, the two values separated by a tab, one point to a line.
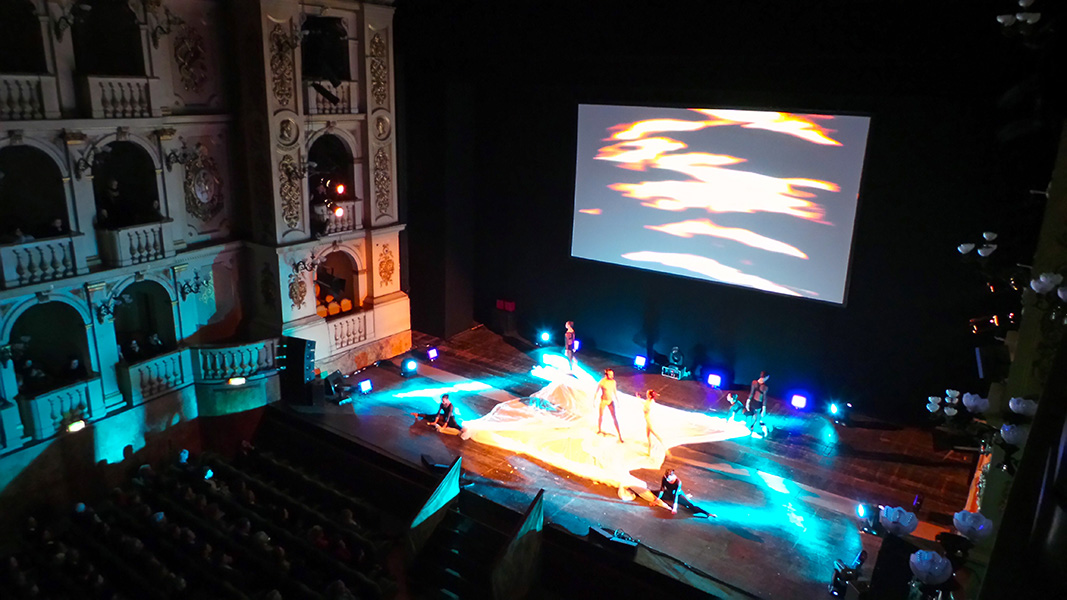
289	190
383	181
267	284
288	132
379	70
298	289
189	56
382	127
281	65
203	185
386	265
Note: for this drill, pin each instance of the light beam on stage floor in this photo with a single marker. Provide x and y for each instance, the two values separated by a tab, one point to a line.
434	392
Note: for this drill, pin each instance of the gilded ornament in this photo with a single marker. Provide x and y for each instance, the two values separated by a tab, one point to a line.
203	185
189	56
298	289
386	265
289	190
281	65
383	180
379	70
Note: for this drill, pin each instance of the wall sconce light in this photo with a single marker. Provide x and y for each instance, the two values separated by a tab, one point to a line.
89	159
164	26
181	156
70	15
194	285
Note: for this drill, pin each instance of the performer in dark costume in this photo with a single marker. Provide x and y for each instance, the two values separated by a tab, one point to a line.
736	406
756	405
444	418
569	343
670	495
607	393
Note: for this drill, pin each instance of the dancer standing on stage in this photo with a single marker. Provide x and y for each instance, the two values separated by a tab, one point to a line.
650	399
569	343
608	394
670	495
756	405
444	418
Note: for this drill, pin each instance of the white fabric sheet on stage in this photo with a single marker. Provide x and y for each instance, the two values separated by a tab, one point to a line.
558	425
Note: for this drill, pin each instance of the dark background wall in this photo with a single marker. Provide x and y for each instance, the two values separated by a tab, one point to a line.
488	99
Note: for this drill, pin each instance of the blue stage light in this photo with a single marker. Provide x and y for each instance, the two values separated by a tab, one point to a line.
799	401
431	354
365	386
640	362
409	367
834	410
715	380
577	344
546	337
861	511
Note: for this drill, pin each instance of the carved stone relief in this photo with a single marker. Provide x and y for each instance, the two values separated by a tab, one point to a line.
383	180
288	132
379	70
289	191
382	127
281	65
203	186
298	289
386	266
189	57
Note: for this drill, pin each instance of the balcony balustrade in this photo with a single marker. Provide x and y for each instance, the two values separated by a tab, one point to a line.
27	97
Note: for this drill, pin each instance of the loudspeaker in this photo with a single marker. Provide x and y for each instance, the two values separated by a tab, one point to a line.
296	363
335	384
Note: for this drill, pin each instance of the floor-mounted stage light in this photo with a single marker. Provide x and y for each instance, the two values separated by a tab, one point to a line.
409	367
577	344
799	401
868	515
431	354
839	412
714	380
545	337
640	362
365	386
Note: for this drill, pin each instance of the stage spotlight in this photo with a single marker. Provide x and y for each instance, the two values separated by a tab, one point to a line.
365	386
799	401
431	354
545	337
640	362
409	367
868	515
714	380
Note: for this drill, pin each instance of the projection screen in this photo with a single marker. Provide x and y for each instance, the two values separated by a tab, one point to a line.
757	199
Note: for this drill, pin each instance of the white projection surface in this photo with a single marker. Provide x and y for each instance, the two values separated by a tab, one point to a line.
758	199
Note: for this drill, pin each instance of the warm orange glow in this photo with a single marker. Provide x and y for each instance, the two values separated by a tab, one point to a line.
338	211
590	211
688	229
340	189
799	126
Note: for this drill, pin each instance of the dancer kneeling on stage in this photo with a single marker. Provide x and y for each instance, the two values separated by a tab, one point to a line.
736	406
444	420
670	495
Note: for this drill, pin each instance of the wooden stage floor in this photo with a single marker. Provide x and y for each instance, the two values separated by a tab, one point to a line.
785	506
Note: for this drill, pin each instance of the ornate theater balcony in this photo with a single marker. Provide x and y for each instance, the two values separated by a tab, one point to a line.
27	97
135	244
155	377
347	331
36	261
219	363
120	97
315	103
47	413
351	219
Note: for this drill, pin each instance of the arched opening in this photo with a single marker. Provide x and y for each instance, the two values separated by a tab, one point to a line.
52	348
32	202
336	285
124	184
325	50
107	40
330	183
144	321
21	45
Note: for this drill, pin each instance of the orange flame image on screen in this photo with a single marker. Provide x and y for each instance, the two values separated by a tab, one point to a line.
688	229
710	269
590	211
800	126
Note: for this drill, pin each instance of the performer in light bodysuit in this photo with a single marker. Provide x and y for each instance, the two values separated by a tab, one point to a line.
607	393
650	399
